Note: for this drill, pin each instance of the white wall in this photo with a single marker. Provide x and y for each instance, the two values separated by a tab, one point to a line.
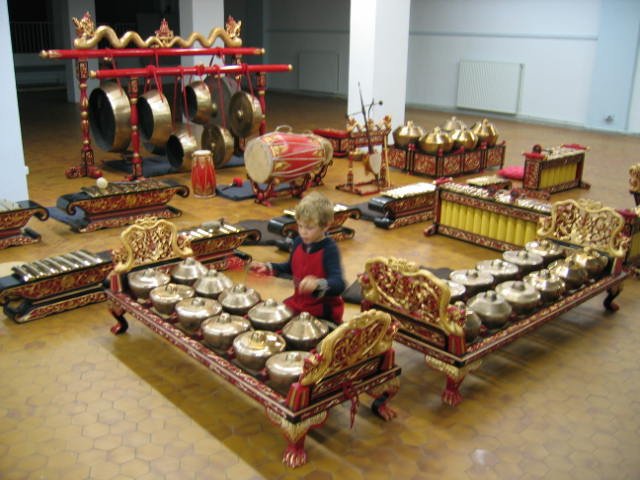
634	107
14	180
558	52
561	43
304	30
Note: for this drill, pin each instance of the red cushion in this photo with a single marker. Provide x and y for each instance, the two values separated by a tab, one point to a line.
514	172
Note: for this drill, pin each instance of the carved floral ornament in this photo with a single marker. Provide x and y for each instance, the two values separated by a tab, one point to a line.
586	223
149	240
363	336
402	286
88	36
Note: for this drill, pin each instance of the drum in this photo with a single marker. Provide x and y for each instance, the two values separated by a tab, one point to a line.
203	174
284	156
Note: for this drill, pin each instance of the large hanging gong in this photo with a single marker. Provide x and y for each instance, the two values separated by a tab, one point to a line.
222	89
245	114
180	147
110	117
220	141
154	118
200	104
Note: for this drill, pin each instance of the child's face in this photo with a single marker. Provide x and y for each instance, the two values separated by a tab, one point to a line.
310	232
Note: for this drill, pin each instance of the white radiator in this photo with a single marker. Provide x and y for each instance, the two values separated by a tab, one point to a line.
489	86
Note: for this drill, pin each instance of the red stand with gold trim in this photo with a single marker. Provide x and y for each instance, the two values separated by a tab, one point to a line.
12	224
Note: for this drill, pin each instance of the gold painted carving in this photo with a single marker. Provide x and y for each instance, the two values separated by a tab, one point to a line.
392	386
88	36
384	125
634	178
149	240
295	431
363	336
405	288
449	370
586	223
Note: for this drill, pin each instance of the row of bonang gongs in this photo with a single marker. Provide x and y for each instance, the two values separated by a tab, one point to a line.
453	135
219	105
231	319
521	282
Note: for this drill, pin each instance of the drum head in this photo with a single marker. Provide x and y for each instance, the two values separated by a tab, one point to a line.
373	163
258	160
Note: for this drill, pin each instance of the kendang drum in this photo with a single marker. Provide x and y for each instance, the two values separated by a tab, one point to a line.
282	156
203	174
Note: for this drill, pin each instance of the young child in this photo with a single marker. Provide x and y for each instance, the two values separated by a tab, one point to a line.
314	262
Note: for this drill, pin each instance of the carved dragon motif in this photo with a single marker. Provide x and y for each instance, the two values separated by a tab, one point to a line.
89	36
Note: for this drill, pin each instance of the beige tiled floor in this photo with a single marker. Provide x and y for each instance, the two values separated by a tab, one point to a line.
77	402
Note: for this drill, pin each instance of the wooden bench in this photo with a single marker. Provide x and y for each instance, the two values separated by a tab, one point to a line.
419	301
357	357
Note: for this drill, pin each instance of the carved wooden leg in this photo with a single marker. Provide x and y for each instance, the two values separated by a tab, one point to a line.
430	230
295	455
612	293
118	313
451	394
382	394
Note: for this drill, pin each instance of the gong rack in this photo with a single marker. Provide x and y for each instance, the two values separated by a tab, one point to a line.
159	46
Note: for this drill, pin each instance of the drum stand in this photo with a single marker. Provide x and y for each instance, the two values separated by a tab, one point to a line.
295	188
380	180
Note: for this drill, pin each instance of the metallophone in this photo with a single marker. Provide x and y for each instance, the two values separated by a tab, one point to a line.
354	358
554	169
216	243
492	183
118	204
286	225
13	218
501	220
63	282
428	323
404	205
54	284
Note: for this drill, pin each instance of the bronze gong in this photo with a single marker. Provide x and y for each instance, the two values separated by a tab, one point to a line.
200	104
221	92
154	119
220	141
245	114
110	117
180	147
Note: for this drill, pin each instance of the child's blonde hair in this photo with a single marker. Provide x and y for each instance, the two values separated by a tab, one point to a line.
315	208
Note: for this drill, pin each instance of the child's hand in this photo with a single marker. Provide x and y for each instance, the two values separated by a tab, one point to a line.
308	284
260	268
